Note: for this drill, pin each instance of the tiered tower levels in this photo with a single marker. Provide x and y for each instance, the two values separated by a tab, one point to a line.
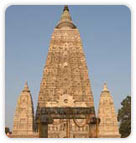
65	81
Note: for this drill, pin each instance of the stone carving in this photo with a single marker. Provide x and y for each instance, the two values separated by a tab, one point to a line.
108	126
24	115
65	81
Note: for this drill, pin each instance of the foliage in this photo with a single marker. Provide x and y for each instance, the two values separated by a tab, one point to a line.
124	117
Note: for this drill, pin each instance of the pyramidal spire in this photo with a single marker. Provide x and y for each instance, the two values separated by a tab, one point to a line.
65	20
108	127
105	88
25	105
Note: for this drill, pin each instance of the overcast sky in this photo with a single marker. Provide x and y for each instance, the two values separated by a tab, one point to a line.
105	33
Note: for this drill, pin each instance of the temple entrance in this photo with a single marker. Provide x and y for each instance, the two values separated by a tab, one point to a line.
72	115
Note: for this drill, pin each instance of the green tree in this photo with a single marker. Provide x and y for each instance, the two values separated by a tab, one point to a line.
124	117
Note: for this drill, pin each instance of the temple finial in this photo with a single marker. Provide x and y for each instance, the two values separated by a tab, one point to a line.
105	87
26	88
65	20
66	8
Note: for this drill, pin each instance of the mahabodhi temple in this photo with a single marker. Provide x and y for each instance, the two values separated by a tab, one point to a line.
65	107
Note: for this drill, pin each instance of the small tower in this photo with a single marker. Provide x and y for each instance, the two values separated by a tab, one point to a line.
108	127
24	116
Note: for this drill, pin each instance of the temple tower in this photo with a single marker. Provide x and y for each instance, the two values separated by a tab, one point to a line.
65	81
108	127
24	116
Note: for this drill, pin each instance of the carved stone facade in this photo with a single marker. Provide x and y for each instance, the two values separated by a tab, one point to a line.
65	81
24	115
108	127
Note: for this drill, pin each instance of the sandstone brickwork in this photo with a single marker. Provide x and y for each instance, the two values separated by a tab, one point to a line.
24	115
108	127
65	81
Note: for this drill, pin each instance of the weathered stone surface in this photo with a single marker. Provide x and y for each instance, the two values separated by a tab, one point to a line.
24	115
108	127
65	81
